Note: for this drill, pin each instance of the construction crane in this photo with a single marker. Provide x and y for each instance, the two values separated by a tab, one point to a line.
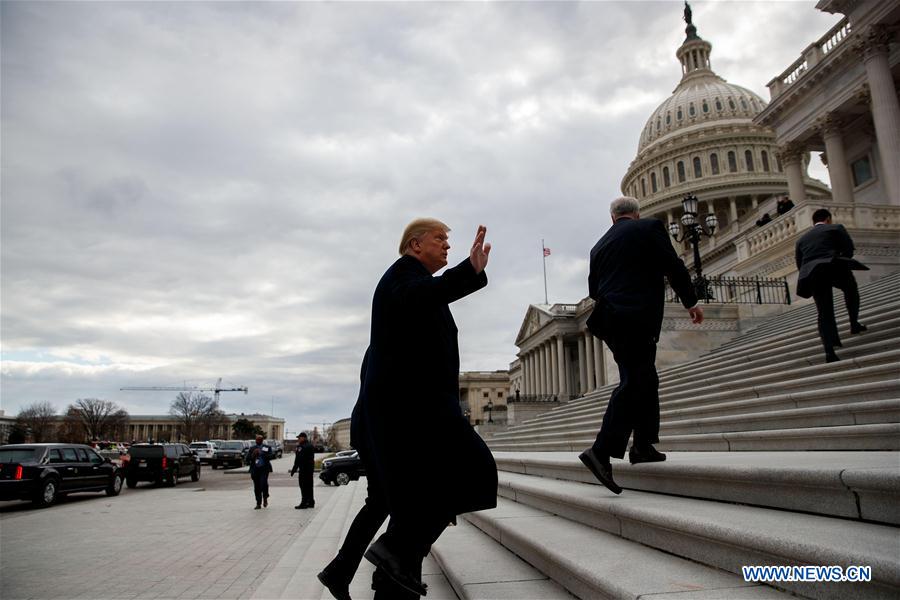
188	388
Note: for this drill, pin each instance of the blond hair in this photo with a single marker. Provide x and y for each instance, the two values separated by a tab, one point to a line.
417	229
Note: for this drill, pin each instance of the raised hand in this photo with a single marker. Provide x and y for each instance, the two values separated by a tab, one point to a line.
480	251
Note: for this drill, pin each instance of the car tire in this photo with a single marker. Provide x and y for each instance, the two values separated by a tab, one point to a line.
195	474
115	486
172	480
131	483
341	479
214	465
47	493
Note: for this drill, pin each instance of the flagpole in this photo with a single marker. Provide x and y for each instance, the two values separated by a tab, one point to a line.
544	258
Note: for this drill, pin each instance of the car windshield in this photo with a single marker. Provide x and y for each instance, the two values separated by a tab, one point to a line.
231	446
146	451
17	455
199	445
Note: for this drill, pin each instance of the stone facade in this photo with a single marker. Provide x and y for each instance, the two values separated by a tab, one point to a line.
477	389
340	431
166	427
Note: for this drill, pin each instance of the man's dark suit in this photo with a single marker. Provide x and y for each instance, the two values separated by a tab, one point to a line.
824	257
409	398
628	267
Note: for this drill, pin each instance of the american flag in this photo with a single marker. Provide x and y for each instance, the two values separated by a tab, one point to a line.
546	251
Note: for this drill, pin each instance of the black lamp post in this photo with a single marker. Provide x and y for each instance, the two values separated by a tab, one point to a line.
693	231
490	411
468	414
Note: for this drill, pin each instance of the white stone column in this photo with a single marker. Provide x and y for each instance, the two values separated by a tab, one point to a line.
885	108
754	202
545	370
554	368
792	161
589	360
838	170
525	371
565	366
539	368
561	387
732	206
582	366
598	362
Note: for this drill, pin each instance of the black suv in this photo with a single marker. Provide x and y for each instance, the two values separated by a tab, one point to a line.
160	463
43	472
341	470
228	454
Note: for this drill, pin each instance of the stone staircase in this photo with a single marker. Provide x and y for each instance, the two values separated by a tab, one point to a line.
776	458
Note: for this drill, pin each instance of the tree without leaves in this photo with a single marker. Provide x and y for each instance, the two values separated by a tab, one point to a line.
198	414
93	419
38	421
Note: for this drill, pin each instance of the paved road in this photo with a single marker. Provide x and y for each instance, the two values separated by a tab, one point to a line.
197	540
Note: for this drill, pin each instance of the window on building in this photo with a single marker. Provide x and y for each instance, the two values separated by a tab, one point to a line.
744	103
731	104
668	118
691	111
748	158
714	163
643	187
862	171
778	163
658	123
679	115
653	185
681	175
698	170
705	106
732	162
718	104
666	181
499	394
765	160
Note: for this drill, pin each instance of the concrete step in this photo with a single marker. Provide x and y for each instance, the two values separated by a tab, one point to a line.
877	293
592	564
294	576
593	416
853	485
717	534
880	436
480	568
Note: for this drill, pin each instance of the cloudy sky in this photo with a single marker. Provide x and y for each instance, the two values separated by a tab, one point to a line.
202	190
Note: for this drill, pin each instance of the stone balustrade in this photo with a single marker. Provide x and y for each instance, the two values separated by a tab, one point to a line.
811	56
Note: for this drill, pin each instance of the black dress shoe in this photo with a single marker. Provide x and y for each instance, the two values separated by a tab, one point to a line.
301	505
645	455
601	470
390	564
831	357
335	582
858	328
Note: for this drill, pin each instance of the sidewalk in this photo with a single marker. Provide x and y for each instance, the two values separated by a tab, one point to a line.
198	540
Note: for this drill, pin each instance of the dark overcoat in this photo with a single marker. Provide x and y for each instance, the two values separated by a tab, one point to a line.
821	249
407	421
304	459
629	266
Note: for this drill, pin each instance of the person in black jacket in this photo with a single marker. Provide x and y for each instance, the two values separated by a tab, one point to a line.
824	256
626	281
305	465
410	394
260	457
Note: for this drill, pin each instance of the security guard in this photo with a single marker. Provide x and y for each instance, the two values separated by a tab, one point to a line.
305	464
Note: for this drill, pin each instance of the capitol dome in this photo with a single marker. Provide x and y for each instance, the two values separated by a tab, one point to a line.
702	140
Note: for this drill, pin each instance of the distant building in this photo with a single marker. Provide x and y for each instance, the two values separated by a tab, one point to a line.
479	390
6	425
340	430
166	427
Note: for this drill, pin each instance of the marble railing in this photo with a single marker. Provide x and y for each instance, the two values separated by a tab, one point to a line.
811	56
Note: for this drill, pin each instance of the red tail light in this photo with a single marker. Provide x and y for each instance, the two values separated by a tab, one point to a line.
19	472
164	462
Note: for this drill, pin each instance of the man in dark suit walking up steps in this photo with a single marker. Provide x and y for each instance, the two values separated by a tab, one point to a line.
824	257
628	267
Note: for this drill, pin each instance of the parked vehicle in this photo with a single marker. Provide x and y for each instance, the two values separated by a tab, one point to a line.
205	451
43	472
228	454
276	446
341	470
160	463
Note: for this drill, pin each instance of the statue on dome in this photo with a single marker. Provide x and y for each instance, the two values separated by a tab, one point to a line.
688	13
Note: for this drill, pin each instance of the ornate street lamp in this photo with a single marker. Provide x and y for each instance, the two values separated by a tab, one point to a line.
490	411
693	231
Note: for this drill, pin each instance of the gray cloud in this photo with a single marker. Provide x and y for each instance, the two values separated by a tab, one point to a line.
204	190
